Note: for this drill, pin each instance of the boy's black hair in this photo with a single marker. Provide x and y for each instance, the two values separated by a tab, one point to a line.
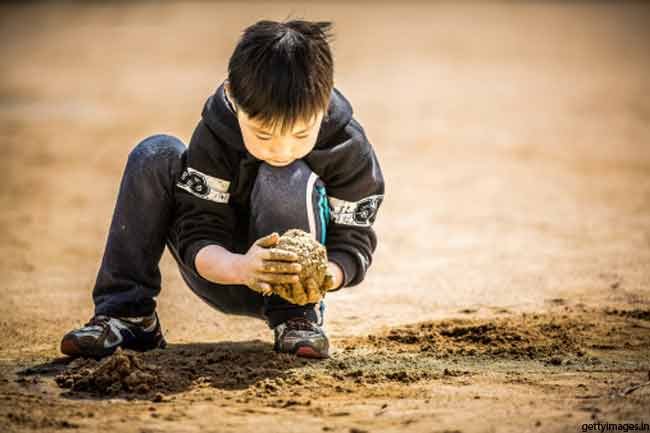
282	72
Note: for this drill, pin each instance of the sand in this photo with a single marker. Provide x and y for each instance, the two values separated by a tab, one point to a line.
509	290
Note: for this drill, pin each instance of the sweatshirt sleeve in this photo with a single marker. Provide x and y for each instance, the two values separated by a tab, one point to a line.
355	189
204	214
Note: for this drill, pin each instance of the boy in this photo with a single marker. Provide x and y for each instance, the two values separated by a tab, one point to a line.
276	148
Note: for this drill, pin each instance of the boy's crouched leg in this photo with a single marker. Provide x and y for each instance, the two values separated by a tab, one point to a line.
283	198
227	298
129	278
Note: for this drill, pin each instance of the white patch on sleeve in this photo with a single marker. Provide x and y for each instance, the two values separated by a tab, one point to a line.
204	186
360	213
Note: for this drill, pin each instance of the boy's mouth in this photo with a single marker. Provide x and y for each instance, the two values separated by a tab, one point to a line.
278	162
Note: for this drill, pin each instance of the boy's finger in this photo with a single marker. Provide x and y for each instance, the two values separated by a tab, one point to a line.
268	240
313	294
261	287
311	284
274	278
328	282
299	295
279	254
278	266
285	292
314	299
265	288
282	291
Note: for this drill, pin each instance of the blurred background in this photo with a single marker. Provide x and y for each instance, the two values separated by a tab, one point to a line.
514	138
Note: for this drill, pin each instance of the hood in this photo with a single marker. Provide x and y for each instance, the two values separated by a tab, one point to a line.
223	122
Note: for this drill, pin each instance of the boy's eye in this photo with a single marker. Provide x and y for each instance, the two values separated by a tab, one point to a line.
302	137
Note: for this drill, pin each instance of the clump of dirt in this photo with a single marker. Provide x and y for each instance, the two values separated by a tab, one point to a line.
122	371
312	255
521	337
636	313
148	375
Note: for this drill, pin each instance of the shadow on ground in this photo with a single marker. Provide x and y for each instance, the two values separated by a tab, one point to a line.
160	372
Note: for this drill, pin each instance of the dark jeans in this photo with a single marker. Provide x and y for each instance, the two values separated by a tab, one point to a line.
129	276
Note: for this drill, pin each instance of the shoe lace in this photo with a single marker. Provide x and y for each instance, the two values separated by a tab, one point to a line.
98	321
300	323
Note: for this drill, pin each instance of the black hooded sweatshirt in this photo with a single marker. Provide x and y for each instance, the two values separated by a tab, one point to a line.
213	192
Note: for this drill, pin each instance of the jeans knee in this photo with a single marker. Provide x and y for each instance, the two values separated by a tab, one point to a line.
269	175
156	150
286	197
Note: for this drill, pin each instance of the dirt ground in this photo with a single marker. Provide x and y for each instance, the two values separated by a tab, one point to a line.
510	290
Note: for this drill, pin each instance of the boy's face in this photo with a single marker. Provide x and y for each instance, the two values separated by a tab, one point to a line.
277	150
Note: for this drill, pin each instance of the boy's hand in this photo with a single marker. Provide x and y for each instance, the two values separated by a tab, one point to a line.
334	276
307	293
264	266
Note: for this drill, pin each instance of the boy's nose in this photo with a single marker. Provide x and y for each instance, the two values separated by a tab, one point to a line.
282	151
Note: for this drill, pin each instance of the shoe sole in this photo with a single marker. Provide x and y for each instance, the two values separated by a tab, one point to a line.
310	352
68	347
71	347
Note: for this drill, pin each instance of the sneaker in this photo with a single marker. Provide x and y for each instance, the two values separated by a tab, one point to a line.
301	337
102	335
